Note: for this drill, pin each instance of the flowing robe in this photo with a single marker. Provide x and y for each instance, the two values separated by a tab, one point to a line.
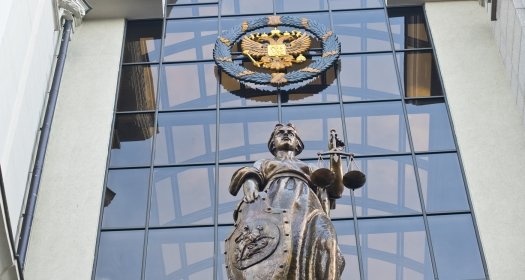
285	233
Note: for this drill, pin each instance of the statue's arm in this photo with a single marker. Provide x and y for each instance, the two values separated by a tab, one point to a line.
251	181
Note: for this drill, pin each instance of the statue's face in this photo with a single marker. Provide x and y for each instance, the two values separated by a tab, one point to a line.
285	139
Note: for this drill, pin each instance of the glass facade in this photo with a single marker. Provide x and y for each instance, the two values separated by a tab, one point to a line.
182	127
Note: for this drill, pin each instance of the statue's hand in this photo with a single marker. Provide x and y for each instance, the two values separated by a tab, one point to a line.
251	192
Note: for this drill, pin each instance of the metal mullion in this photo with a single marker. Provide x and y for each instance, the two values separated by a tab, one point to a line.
425	98
116	229
302	12
245	15
118	113
139	63
192	4
436	152
356	9
467	191
187	18
172	62
427	49
185	110
109	168
366	52
411	144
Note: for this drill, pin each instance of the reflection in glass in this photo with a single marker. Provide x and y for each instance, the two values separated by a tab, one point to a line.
355	4
429	125
138	88
419	74
347	244
185	137
360	31
455	248
442	182
368	77
183	196
376	128
142	40
190	39
244	133
132	138
391	189
188	86
395	248
120	255
300	5
180	253
408	28
240	7
191	11
321	90
128	206
235	94
313	124
228	202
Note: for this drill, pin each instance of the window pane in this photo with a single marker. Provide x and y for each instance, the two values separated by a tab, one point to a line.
120	255
228	202
244	133
183	2
184	253
442	182
429	125
354	4
132	138
455	247
190	39
419	74
321	90
376	128
369	77
182	196
142	41
300	5
138	88
239	7
191	11
188	86
360	31
395	248
235	94
185	137
391	189
126	197
313	124
346	240
408	28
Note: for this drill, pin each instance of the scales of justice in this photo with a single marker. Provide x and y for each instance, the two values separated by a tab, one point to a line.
282	225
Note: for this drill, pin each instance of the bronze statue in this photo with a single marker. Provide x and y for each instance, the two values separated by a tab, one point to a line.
282	225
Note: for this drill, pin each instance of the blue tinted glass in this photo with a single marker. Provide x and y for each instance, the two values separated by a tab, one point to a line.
185	2
184	253
244	133
138	88
300	5
185	137
455	247
132	139
323	89
224	232
347	244
192	11
355	4
228	202
190	39
391	189
408	28
142	41
120	255
442	182
430	125
235	94
395	248
376	128
360	31
182	196
125	198
241	7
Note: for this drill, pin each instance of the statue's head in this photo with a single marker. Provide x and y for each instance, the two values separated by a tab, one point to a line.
285	138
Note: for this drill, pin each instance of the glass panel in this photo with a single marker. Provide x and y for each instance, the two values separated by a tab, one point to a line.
142	41
132	138
442	182
455	248
184	253
391	189
234	94
185	2
191	11
182	196
376	128
355	4
347	244
395	248
300	5
244	133
321	90
408	28
361	31
228	202
369	77
188	86
120	255
239	7
125	198
224	232
429	125
313	124
190	39
138	88
185	137
419	74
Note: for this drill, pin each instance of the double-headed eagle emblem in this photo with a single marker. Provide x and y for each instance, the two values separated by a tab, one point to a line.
276	50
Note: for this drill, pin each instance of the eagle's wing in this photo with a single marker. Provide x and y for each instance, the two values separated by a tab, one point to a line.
254	48
299	45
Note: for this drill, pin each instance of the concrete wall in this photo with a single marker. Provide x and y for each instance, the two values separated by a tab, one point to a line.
63	237
489	130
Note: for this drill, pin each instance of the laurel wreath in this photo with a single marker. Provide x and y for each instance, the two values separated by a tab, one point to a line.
331	49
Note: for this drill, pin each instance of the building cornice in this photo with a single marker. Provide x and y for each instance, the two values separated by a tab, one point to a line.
73	10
